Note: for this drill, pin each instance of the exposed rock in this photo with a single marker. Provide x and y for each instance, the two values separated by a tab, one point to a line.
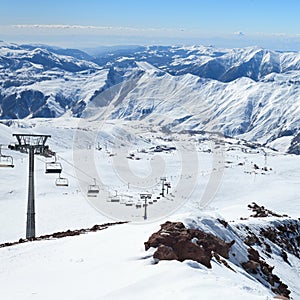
286	236
222	261
251	240
211	242
253	254
284	256
175	240
262	212
268	248
251	266
188	250
165	253
257	265
61	234
223	222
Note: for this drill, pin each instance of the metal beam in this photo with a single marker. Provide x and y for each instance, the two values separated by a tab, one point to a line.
30	225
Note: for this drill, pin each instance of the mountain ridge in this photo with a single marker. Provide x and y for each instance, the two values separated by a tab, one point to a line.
247	92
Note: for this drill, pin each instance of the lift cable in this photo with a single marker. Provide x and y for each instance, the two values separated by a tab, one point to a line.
67	172
75	167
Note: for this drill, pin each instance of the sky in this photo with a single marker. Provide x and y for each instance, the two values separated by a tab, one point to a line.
272	24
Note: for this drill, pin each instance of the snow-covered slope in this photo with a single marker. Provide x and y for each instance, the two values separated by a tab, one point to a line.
113	264
251	93
209	62
36	82
146	114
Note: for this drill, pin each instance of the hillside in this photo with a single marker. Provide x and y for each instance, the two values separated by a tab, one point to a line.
200	166
250	92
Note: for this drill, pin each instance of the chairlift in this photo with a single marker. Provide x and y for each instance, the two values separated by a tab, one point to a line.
129	203
93	189
115	199
139	204
6	161
53	167
60	181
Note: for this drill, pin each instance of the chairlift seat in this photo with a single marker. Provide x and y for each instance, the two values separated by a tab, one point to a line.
6	165
93	191
6	161
53	168
61	182
115	199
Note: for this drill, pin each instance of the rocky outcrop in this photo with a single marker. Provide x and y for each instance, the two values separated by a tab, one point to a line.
254	245
286	236
175	241
257	266
262	212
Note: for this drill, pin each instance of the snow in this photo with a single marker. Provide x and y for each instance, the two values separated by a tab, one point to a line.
211	177
112	264
258	108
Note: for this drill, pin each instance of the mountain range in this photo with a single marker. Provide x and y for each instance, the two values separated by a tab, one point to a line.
251	93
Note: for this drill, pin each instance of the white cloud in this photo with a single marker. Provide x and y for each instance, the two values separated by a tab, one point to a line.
82	36
65	26
239	33
96	29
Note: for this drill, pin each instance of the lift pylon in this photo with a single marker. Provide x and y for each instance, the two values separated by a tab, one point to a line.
31	144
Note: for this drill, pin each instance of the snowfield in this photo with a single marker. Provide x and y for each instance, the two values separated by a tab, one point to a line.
211	177
198	136
112	264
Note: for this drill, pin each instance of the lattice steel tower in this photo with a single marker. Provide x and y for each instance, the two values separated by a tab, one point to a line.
31	144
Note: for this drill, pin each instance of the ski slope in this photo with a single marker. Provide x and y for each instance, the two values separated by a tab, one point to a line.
112	264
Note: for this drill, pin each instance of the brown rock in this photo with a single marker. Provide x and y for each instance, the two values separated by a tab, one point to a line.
165	253
174	241
281	297
253	254
251	240
188	250
251	266
211	242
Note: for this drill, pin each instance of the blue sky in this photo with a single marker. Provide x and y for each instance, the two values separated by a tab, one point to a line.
86	23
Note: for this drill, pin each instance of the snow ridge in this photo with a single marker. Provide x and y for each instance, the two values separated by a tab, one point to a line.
250	92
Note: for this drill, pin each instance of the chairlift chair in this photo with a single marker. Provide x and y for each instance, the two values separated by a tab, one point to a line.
6	161
139	204
60	181
129	203
53	167
93	190
115	199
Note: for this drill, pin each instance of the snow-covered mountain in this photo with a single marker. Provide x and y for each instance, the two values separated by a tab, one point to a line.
251	92
259	255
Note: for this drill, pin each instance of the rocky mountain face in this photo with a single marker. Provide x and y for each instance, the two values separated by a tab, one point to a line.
253	246
252	93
